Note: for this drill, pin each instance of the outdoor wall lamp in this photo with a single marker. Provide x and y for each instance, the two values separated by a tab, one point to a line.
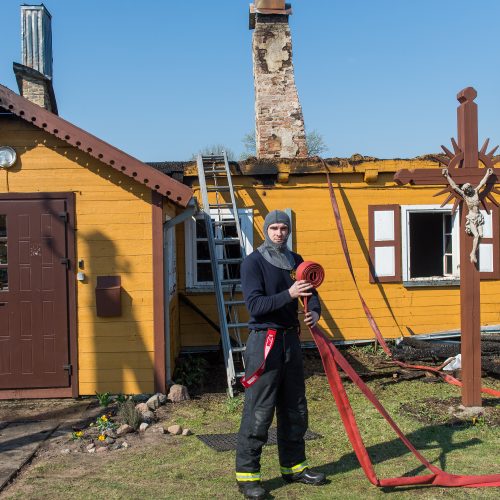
7	157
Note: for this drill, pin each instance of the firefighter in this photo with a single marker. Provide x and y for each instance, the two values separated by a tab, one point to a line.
271	296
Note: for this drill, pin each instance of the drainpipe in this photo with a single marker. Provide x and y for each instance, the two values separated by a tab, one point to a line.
190	211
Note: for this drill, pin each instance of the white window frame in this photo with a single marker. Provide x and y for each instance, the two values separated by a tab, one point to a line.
246	223
406	210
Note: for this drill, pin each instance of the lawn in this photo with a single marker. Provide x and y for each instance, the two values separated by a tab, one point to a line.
183	467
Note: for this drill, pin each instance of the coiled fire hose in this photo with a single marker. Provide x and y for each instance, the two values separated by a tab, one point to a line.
332	359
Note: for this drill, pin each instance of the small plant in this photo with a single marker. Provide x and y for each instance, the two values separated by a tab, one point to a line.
232	405
76	435
190	371
479	420
128	414
104	398
121	398
104	423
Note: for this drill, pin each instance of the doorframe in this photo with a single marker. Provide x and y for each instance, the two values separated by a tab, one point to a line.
72	390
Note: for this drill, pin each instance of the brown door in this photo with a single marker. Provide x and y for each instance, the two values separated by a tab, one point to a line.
34	339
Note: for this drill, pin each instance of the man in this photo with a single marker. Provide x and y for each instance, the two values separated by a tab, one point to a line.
271	297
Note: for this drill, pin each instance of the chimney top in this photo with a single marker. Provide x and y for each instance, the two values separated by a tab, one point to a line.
36	38
34	75
268	8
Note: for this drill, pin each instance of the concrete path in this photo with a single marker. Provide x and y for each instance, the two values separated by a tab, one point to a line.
18	443
23	434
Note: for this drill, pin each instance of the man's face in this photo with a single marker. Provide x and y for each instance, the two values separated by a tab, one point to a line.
277	232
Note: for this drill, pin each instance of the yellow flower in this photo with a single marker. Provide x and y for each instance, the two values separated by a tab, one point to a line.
104	418
101	437
79	434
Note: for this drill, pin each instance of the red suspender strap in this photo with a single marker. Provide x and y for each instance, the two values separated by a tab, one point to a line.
270	338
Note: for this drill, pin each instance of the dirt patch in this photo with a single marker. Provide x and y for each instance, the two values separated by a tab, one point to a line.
437	411
27	410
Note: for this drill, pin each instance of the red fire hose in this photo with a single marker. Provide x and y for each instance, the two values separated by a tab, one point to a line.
332	359
366	309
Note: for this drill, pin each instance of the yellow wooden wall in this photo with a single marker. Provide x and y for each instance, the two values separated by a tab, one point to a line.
113	237
315	237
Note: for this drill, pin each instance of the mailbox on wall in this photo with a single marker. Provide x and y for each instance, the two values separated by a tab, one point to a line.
108	296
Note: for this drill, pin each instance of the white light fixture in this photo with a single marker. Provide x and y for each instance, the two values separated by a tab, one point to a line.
7	157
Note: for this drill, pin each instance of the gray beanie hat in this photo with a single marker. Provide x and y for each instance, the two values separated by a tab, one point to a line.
277	254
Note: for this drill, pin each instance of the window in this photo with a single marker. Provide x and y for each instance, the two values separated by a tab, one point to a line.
419	245
198	266
430	244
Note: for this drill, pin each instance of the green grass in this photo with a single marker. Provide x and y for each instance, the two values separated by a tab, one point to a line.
184	468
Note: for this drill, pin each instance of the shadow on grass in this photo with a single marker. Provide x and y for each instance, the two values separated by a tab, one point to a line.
427	438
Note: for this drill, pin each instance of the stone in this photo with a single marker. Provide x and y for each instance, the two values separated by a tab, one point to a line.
66	451
158	429
124	429
176	430
178	393
102	449
91	446
125	445
143	427
109	440
146	414
153	402
469	412
110	433
141	398
162	398
92	450
187	432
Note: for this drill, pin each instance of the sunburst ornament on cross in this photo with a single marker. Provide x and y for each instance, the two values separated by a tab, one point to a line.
462	172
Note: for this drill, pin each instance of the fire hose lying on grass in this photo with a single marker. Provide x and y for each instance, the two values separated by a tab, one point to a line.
332	359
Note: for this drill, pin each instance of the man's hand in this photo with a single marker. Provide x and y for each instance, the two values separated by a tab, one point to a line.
311	318
300	289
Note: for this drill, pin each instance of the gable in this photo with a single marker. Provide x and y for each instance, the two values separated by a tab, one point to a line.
109	155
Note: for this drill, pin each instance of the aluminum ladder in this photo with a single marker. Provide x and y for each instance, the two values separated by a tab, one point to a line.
227	250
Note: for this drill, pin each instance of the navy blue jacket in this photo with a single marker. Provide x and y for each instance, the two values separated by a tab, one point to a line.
265	290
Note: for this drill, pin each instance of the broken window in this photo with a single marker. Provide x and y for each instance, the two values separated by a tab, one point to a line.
198	264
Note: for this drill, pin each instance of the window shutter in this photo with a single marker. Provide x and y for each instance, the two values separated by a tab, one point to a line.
385	243
489	245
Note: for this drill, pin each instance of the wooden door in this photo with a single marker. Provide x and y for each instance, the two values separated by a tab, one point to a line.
34	331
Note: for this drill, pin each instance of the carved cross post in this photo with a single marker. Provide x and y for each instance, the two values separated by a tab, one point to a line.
463	166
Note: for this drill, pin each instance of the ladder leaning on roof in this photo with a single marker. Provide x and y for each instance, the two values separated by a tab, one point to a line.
226	247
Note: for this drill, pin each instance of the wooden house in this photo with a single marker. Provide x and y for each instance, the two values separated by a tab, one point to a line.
404	247
87	298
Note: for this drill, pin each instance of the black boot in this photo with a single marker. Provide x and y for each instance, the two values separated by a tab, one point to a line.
252	490
307	476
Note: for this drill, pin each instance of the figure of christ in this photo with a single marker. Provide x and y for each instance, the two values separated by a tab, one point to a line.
474	218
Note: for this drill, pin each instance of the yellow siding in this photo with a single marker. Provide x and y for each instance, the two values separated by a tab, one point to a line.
113	237
315	237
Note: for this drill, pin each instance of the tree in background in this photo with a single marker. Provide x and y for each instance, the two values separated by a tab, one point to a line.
316	145
216	149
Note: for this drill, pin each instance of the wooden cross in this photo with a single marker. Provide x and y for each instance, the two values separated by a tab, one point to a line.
463	167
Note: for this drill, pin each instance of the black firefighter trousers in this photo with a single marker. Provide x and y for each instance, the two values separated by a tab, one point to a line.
281	386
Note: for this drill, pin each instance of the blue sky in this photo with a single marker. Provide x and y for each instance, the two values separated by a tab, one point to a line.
162	79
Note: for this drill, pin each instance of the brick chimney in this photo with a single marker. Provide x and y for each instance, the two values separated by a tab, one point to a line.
34	75
279	123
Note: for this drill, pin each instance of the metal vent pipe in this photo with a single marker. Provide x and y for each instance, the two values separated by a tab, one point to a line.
36	38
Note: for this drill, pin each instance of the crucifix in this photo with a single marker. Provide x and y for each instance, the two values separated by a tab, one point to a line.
462	172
